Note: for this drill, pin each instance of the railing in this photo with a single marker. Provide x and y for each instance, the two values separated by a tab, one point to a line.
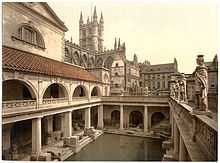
136	99
54	100
199	132
18	103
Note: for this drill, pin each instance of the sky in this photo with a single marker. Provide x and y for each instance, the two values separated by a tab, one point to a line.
155	30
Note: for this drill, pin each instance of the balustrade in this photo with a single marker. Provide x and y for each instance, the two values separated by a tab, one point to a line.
54	100
18	103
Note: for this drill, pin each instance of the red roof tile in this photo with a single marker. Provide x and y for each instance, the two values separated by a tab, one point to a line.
14	59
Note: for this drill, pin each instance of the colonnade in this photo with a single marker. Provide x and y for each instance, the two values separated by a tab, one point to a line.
66	126
63	123
146	121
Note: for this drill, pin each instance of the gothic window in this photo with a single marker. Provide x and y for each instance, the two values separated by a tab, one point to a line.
68	57
116	74
30	36
116	65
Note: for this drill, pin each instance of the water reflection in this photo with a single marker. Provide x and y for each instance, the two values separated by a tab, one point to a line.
110	147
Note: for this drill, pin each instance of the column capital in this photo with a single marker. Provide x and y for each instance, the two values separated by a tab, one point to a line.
38	117
146	106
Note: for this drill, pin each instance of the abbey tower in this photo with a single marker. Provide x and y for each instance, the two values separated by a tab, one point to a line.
91	34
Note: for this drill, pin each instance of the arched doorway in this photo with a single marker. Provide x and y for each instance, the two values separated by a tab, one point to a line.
156	118
80	91
17	90
136	119
115	118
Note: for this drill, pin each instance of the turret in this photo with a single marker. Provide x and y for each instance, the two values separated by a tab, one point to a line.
81	30
135	59
101	21
175	65
115	45
95	17
101	33
119	44
81	19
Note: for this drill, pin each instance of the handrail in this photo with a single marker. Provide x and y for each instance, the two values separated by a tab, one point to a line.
18	103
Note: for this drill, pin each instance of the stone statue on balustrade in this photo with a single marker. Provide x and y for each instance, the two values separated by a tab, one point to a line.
182	84
177	90
172	89
201	85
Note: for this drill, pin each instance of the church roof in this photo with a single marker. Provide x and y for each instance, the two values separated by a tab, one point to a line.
17	60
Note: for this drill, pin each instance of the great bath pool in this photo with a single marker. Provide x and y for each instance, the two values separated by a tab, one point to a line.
111	147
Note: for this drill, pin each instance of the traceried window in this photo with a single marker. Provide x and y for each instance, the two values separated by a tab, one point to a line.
29	35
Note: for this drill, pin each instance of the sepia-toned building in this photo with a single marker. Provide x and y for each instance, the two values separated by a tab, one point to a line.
58	96
156	77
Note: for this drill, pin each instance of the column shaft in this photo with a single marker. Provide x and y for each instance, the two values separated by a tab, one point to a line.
49	126
100	117
87	118
145	119
68	124
36	136
121	117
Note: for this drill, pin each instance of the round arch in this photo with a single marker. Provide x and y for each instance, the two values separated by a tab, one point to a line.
136	119
80	91
108	62
157	117
115	117
17	89
55	90
38	38
95	91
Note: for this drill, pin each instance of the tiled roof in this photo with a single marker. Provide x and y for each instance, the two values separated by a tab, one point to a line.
14	59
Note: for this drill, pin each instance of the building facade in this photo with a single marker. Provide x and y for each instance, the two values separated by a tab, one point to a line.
157	77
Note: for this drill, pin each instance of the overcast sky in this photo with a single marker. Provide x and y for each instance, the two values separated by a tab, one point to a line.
156	30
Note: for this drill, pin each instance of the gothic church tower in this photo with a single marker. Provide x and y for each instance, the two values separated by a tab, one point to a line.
91	34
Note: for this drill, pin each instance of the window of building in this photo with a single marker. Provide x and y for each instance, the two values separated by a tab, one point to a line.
158	84
116	65
116	74
29	35
164	84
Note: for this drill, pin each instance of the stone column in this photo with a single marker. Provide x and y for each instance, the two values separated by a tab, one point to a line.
100	117
145	118
176	142
36	135
121	117
49	120
6	137
67	131
182	150
87	118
